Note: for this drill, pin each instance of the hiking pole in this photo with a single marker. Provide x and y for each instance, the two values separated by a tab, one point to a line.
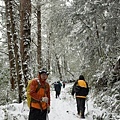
47	117
87	105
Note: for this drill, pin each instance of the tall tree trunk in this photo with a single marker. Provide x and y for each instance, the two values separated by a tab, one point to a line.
9	13
99	49
97	32
25	29
17	55
65	64
58	66
48	51
39	57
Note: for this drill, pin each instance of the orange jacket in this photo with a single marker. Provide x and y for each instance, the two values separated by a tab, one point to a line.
44	91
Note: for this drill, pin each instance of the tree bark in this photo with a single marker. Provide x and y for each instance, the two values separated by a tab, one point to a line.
39	57
17	55
58	66
25	29
9	13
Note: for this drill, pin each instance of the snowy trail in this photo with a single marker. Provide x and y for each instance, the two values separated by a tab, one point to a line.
63	108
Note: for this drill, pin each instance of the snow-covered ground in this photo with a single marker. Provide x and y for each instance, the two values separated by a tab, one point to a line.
63	108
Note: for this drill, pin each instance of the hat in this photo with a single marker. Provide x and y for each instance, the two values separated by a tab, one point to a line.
43	70
81	77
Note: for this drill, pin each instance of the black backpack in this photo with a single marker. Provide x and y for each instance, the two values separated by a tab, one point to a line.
81	91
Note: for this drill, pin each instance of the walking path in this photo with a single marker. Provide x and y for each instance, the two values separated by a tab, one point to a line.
64	107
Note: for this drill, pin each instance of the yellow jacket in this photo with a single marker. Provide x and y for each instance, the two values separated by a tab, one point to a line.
80	88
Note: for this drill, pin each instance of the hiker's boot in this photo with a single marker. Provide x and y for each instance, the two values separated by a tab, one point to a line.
78	113
82	114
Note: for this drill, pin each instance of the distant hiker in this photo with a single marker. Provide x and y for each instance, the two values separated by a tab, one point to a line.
58	88
63	84
54	84
80	89
40	97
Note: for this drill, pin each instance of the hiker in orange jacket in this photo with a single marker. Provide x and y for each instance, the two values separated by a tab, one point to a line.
40	100
80	89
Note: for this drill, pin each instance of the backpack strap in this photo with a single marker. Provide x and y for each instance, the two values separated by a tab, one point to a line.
45	88
37	89
39	86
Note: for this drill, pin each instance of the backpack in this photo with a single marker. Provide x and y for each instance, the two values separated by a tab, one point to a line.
28	90
29	99
82	91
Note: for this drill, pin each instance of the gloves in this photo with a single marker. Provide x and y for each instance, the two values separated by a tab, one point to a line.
45	99
48	109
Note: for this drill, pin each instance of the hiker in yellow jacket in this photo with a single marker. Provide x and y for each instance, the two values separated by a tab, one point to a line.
80	89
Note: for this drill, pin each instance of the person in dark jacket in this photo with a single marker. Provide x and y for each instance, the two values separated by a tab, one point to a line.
58	88
80	89
63	84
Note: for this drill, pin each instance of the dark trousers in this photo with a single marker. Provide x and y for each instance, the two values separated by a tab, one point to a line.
80	106
36	114
57	94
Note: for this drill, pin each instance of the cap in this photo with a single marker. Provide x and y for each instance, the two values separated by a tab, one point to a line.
43	70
